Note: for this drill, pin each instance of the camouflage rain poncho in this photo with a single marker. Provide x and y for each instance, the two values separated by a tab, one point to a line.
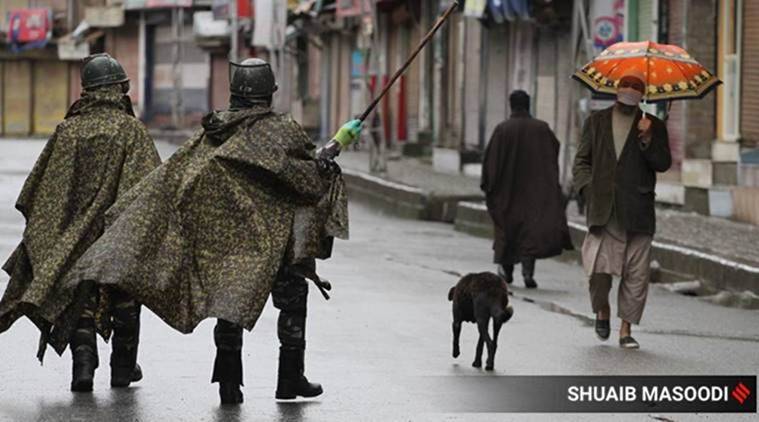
205	234
95	155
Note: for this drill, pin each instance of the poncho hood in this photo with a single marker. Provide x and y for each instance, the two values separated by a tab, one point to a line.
221	125
105	97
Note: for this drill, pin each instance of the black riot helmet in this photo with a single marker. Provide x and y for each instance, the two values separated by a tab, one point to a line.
252	79
102	69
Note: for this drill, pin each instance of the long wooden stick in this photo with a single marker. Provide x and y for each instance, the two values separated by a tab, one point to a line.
403	68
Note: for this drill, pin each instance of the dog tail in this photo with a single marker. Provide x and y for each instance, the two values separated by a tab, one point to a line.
450	293
502	314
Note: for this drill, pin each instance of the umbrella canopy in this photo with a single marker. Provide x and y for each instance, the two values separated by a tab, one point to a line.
671	73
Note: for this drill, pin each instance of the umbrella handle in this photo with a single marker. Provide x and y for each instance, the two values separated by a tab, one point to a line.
645	107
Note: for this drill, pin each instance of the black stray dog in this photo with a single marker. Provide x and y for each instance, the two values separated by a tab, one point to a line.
477	298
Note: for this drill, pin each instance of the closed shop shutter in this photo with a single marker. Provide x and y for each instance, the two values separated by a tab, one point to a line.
497	82
2	113
17	82
51	83
472	75
545	98
750	74
195	78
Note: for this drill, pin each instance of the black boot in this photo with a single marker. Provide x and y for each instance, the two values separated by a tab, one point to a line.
227	371
528	271
126	336
291	382
84	359
123	374
230	393
227	368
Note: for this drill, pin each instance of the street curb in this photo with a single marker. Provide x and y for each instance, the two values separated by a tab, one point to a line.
403	200
469	215
718	272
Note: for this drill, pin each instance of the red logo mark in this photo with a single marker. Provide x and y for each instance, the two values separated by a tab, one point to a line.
740	393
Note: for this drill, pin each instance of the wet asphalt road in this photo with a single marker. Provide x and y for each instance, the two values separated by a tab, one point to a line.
378	342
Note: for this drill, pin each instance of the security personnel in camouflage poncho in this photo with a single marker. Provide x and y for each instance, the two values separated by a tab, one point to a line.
94	157
240	211
252	84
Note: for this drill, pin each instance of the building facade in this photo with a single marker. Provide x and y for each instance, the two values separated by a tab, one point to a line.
448	103
332	57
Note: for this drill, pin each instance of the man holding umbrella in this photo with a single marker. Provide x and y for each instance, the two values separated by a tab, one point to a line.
620	151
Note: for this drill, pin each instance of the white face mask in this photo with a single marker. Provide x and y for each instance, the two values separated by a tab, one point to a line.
629	96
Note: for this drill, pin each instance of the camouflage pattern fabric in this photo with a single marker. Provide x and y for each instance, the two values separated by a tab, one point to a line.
125	323
204	235
290	296
315	227
125	317
84	337
94	157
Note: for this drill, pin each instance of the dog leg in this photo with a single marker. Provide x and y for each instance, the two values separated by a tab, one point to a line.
482	326
478	353
456	335
491	350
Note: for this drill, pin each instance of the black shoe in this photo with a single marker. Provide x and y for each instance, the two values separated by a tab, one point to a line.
291	389
530	283
627	342
291	382
230	393
603	329
121	376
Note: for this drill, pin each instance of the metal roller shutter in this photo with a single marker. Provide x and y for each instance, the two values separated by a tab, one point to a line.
51	83
17	98
750	74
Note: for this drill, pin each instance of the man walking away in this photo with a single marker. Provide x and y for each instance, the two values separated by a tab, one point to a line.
520	178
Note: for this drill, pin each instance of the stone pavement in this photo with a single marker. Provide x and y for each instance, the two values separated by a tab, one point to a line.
721	252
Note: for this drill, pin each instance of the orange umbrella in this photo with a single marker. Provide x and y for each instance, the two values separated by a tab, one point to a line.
671	73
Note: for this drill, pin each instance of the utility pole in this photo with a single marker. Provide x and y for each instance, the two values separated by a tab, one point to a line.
70	15
374	60
177	22
235	24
